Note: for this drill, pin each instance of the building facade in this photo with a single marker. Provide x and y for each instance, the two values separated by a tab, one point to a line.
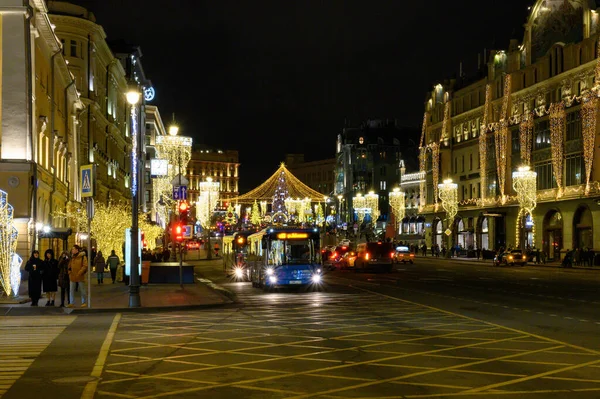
535	105
220	165
318	175
39	143
367	159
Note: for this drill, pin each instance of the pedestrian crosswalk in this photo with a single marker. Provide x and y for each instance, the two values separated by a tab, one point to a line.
22	339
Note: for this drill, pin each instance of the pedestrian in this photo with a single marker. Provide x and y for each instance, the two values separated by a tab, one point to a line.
50	276
99	266
478	253
543	255
63	278
34	268
78	266
113	262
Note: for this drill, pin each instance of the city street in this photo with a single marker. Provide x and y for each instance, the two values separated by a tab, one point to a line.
438	328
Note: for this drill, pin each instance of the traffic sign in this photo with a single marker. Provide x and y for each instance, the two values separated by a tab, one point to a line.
88	181
187	231
180	193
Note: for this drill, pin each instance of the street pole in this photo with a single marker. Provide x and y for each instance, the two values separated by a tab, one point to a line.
90	213
134	279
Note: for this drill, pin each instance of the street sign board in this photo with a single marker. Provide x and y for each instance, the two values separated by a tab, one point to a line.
187	231
88	181
180	193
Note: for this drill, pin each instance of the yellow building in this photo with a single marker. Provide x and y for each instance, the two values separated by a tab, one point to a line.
535	104
39	106
221	165
102	125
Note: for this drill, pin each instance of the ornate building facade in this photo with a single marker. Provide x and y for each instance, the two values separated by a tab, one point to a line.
534	105
39	107
220	165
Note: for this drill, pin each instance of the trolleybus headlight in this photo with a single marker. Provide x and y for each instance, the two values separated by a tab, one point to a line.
316	278
318	271
273	279
269	272
239	272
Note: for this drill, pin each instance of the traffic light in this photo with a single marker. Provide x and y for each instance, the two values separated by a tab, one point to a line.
183	212
177	232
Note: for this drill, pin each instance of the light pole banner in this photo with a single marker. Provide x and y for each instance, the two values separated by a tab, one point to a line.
88	181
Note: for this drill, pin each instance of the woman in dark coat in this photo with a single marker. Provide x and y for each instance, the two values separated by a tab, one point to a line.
49	276
34	268
63	278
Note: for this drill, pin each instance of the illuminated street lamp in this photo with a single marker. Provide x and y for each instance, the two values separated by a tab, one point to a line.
207	200
448	193
133	98
397	203
525	185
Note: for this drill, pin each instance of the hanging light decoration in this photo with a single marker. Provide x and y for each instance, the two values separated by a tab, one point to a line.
372	203
558	119
525	185
423	162
435	173
360	208
483	144
501	137
263	208
525	137
449	197
10	262
588	127
397	203
446	122
238	210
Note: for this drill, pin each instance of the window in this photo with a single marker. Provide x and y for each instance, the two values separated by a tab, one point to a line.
470	161
462	164
492	183
573	126
545	178
515	141
541	133
574	165
73	48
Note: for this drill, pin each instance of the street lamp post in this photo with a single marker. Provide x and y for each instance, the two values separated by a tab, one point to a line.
134	280
448	193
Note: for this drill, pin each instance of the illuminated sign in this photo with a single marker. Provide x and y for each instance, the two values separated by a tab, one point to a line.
149	93
291	236
159	167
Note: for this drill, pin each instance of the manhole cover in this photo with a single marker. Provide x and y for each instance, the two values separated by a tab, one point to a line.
74	380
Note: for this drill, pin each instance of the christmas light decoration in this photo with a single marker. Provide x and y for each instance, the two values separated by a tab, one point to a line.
423	130
279	196
525	185
151	231
255	215
446	128
449	197
588	127
263	208
319	213
558	120
207	201
501	138
423	182
483	144
398	205
525	137
359	204
238	210
284	181
8	246
435	173
372	203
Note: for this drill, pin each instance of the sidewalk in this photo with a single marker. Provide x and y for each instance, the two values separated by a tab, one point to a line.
115	297
488	262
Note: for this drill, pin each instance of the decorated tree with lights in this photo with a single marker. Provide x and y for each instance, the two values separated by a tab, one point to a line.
151	231
10	262
255	215
279	196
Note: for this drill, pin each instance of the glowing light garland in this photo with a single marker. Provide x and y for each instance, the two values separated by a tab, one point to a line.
359	203
177	150
446	122
255	215
449	197
207	201
397	203
134	148
558	120
589	111
372	203
525	137
263	208
501	136
435	173
483	144
423	183
9	260
525	185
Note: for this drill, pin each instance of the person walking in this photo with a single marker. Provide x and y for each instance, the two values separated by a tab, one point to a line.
78	266
113	262
34	268
99	265
63	278
50	276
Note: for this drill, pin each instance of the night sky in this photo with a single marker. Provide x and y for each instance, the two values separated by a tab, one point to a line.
262	75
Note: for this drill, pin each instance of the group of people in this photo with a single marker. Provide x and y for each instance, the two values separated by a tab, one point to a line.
69	272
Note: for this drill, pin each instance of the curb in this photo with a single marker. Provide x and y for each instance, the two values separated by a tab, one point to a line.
489	263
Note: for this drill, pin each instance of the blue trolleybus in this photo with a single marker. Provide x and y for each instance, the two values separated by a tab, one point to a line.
285	256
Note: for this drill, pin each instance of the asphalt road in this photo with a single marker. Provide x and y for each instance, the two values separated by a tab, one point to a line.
434	329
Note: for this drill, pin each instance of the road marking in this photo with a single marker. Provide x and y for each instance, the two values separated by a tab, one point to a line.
90	388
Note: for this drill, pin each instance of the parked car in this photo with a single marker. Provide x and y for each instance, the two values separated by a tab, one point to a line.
403	254
375	255
514	257
338	252
193	245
